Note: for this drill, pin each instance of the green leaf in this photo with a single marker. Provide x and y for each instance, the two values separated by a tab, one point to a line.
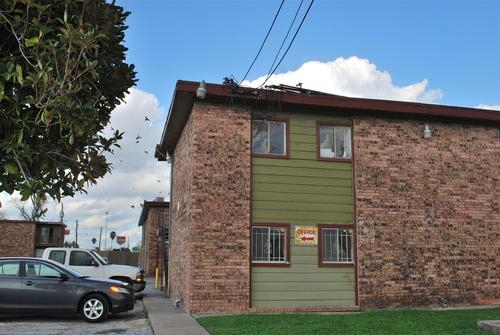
10	71
25	194
19	74
11	168
2	91
46	117
31	41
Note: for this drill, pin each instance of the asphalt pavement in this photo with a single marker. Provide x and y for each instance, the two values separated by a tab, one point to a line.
164	317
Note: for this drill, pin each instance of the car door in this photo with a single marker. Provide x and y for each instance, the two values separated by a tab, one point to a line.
85	263
11	285
45	291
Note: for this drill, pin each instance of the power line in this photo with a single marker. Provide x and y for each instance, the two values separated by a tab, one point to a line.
289	45
286	37
264	41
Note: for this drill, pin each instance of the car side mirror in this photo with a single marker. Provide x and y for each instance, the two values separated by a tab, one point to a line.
94	263
63	276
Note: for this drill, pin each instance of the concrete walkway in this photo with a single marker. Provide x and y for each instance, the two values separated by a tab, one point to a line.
492	326
165	318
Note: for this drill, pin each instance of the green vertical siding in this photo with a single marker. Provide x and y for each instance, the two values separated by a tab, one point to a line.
302	191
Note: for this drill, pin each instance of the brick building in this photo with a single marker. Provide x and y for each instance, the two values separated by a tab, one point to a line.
29	238
154	222
287	199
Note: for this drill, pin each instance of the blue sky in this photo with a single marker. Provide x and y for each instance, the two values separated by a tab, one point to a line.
437	51
454	44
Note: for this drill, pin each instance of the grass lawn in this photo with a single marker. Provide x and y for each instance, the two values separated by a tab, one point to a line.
396	322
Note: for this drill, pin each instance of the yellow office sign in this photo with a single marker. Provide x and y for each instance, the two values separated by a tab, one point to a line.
306	235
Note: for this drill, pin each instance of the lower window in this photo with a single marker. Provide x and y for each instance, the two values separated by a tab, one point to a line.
336	245
270	244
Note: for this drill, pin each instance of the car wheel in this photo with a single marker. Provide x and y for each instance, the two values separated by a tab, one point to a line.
94	308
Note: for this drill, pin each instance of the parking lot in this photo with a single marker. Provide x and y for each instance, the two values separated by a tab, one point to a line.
133	322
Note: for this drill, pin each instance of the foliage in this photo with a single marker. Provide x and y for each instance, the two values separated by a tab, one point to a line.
408	322
38	209
62	72
71	244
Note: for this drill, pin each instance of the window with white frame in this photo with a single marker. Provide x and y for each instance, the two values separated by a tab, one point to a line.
334	141
336	245
269	244
269	137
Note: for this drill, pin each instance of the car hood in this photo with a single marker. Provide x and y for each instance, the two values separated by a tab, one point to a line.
124	268
104	280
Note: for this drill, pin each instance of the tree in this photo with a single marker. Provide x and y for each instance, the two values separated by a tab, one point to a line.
71	244
112	236
38	209
62	72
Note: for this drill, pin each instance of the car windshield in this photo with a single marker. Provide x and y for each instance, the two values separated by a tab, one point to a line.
99	257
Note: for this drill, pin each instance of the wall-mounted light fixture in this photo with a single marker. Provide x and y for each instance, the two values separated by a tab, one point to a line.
201	92
427	132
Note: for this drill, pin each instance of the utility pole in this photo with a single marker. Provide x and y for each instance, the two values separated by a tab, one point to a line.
106	232
100	234
76	232
61	212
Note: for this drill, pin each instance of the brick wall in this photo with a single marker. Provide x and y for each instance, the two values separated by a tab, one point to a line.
428	213
210	241
181	198
18	238
151	257
152	250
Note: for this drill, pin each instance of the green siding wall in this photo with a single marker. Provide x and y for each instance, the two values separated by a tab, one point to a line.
302	191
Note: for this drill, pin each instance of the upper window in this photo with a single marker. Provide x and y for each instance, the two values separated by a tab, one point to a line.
270	244
269	137
48	235
336	245
334	141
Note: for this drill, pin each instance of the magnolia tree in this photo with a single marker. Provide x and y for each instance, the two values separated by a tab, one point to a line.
62	72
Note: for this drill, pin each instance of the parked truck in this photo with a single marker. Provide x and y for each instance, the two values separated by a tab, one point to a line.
89	263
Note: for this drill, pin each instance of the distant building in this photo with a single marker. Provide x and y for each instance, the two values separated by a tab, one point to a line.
29	238
154	222
287	199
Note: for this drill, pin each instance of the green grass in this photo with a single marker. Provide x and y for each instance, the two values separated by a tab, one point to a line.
398	322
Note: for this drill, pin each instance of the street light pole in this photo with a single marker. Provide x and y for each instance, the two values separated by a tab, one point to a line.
106	232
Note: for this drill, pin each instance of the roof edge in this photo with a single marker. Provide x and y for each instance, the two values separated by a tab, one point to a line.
185	95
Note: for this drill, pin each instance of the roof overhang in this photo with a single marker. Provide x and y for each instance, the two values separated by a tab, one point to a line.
297	98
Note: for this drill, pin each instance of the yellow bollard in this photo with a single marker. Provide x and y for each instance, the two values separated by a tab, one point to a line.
156	278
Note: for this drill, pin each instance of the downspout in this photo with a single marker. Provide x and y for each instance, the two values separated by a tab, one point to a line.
166	246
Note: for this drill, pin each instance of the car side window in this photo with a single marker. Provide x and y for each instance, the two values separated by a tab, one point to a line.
57	255
80	258
9	268
36	269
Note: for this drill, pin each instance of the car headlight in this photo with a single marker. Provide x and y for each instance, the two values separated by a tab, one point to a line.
118	289
139	276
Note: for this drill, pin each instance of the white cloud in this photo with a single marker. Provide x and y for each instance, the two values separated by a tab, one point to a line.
492	107
354	77
136	176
